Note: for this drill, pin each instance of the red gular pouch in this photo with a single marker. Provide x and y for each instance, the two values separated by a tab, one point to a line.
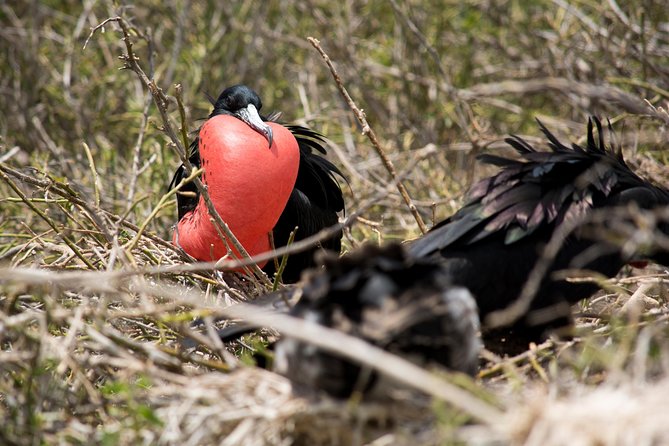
248	182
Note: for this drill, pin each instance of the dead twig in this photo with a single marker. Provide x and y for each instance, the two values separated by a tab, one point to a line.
369	132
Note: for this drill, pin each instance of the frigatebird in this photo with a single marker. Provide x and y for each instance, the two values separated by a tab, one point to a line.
492	244
262	177
406	306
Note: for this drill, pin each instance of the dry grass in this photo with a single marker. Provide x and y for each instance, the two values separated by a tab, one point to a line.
96	307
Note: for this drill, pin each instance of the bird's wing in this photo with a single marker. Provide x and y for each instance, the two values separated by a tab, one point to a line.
313	204
316	176
188	195
538	191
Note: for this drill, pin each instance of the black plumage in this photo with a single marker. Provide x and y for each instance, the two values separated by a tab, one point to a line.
407	307
492	244
314	202
312	206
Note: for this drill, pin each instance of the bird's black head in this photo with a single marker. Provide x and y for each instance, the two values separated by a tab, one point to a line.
235	98
243	103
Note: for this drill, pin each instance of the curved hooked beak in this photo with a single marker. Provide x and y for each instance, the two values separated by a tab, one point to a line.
251	117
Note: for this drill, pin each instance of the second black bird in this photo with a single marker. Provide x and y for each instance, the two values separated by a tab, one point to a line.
493	243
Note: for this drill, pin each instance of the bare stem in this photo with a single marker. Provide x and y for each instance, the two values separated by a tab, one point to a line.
369	132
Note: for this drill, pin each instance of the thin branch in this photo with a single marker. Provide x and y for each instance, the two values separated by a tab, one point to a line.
369	132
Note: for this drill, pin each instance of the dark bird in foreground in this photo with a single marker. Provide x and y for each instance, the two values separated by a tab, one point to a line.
493	243
262	177
407	307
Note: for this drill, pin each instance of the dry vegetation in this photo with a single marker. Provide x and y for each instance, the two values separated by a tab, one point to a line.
96	309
